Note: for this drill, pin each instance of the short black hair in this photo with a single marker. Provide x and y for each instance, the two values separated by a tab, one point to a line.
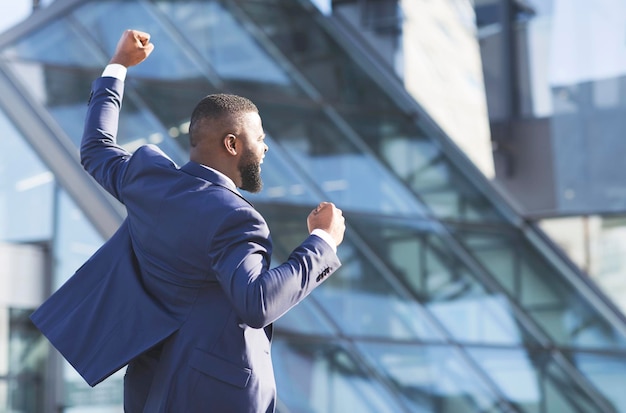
216	107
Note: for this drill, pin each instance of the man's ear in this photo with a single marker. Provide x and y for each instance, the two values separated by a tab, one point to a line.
230	144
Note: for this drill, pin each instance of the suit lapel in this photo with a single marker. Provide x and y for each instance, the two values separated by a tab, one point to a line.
199	171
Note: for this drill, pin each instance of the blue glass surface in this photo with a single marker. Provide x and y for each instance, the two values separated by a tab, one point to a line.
283	182
347	141
58	43
363	302
420	256
342	170
535	381
26	189
605	372
433	379
169	58
75	241
306	318
479	319
370	113
358	299
225	42
314	376
554	304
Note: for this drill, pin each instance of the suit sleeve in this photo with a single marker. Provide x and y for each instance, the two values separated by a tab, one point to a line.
101	156
241	257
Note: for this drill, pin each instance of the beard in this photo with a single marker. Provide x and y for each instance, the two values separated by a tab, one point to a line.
250	174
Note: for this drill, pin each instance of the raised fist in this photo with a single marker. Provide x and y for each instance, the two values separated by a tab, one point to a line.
133	48
328	217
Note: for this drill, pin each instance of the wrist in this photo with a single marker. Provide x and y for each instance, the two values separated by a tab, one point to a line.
115	70
324	235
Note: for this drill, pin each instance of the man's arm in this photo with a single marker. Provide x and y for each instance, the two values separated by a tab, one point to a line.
240	257
101	156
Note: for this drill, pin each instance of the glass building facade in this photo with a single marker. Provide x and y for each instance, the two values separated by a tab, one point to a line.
447	301
555	72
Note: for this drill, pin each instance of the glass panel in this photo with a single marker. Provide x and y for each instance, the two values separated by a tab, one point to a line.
432	378
324	377
282	181
169	59
76	240
316	55
65	92
555	305
57	44
606	372
368	113
535	383
306	318
490	33
224	42
422	259
138	126
359	298
57	65
345	173
410	153
26	364
172	102
26	189
5	367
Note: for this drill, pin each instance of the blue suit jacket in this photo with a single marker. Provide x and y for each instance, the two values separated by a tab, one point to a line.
187	273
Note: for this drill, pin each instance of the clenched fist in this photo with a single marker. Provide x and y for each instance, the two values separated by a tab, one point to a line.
329	218
133	48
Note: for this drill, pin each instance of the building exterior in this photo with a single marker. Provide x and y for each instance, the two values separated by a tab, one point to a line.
448	299
554	74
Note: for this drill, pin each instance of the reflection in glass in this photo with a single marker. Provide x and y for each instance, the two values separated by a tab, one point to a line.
26	363
345	173
76	240
334	134
223	41
306	318
169	59
534	382
58	44
555	305
358	298
432	379
364	302
283	182
370	114
323	377
486	319
439	184
26	189
606	372
418	254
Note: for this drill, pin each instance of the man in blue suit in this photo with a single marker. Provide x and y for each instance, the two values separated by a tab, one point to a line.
183	292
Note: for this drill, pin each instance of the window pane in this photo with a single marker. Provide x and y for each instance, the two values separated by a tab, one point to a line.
75	242
606	372
535	382
26	189
224	42
324	377
432	378
559	309
359	298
